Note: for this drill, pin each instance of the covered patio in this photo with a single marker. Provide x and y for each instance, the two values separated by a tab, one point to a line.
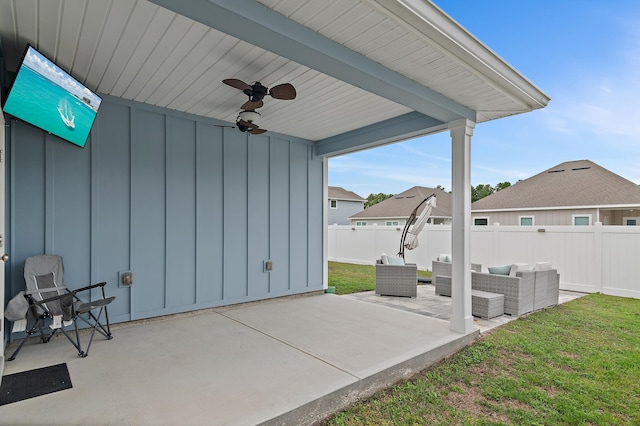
170	191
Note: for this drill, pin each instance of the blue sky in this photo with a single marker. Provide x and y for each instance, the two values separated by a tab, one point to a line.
584	54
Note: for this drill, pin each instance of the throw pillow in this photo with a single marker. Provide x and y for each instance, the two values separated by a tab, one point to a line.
393	260
500	270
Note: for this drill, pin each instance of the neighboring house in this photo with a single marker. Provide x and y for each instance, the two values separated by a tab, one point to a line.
342	204
572	193
396	210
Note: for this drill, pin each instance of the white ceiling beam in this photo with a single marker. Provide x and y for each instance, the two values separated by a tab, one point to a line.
395	129
257	24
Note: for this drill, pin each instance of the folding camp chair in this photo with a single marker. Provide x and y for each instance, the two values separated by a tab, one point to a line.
50	301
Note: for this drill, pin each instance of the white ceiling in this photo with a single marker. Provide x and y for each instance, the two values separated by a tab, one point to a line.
395	57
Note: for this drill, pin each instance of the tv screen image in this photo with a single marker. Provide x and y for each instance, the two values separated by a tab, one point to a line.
48	97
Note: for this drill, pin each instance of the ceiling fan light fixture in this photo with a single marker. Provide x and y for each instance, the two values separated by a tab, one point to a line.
250	116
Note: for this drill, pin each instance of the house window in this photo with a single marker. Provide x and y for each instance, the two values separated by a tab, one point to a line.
334	204
581	220
630	221
392	223
526	221
481	221
361	223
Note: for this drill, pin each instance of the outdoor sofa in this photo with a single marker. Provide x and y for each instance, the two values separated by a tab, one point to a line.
525	292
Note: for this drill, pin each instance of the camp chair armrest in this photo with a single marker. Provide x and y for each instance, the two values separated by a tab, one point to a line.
89	287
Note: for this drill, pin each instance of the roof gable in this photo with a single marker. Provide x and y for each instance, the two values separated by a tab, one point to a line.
339	193
569	184
401	205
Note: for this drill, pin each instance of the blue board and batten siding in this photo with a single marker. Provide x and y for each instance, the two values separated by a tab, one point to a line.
191	209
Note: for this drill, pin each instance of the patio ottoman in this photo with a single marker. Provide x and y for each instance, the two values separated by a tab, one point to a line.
486	305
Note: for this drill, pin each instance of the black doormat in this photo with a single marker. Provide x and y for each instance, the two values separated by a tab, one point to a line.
29	384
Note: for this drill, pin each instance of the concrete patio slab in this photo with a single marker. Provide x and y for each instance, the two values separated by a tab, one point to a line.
288	361
359	340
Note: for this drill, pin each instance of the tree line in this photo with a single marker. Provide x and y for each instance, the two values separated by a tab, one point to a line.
477	193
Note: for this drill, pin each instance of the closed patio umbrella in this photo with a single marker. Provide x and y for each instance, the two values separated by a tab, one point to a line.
410	233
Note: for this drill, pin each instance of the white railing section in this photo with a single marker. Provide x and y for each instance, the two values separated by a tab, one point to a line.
590	259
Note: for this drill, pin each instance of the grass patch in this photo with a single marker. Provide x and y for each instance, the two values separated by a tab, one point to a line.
574	364
349	278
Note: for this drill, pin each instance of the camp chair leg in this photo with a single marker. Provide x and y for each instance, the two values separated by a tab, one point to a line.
96	326
107	332
17	351
43	338
96	323
81	353
30	332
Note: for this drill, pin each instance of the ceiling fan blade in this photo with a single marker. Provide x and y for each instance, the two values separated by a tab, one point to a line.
257	131
238	84
283	91
247	124
252	105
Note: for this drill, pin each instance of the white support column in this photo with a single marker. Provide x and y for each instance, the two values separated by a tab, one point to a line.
461	318
325	223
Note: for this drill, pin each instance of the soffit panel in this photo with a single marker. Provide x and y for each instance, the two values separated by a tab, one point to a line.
140	51
143	52
359	28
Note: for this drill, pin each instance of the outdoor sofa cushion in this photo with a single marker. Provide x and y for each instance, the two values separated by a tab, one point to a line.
500	270
392	260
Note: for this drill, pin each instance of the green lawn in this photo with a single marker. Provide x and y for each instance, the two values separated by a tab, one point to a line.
574	364
348	278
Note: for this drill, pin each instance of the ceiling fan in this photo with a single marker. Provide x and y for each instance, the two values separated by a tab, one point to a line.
256	92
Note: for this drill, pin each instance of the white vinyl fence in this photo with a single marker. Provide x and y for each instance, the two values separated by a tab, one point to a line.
590	259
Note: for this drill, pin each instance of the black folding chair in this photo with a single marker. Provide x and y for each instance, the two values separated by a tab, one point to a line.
49	301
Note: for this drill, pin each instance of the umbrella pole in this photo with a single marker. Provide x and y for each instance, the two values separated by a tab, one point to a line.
412	217
406	229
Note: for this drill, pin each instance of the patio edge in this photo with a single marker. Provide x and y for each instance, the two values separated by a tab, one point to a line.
321	408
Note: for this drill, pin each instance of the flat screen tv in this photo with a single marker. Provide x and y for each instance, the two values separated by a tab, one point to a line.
49	98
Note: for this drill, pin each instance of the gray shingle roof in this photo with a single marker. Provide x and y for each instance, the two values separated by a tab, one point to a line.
403	204
339	193
569	184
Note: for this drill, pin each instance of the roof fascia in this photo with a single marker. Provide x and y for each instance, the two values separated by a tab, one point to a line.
395	129
520	209
391	217
259	25
379	217
429	22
